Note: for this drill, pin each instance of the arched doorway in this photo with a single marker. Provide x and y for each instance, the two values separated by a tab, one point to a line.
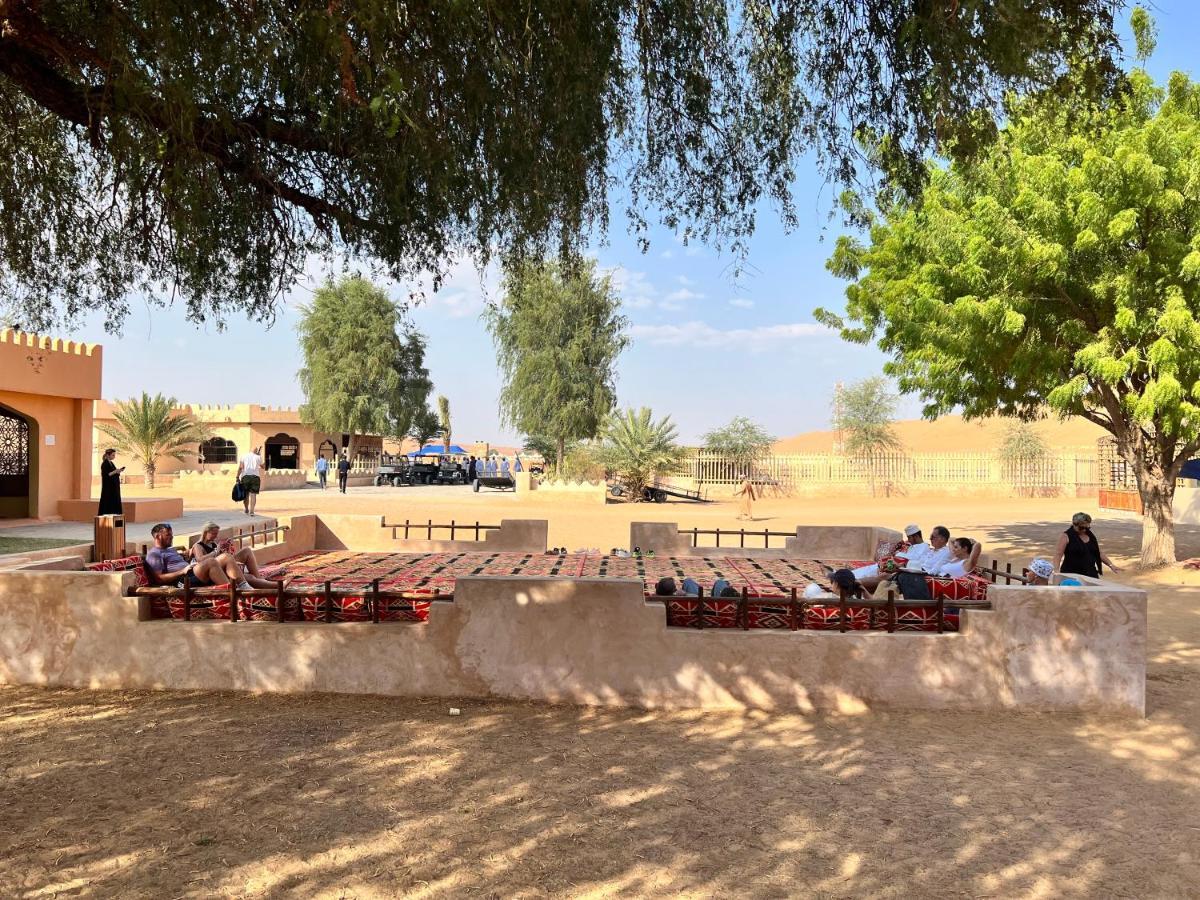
327	450
15	465
217	450
282	452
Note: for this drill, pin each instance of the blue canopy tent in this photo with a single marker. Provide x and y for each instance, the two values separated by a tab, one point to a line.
1191	469
439	450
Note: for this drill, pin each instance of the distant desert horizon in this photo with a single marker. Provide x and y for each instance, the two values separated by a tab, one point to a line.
949	434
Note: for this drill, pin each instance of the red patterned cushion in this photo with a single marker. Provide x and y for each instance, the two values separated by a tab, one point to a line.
888	547
205	605
969	587
124	564
346	608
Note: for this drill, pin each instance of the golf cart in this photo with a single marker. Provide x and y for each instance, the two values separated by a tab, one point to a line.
394	469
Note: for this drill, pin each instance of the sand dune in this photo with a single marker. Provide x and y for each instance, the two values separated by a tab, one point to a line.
950	433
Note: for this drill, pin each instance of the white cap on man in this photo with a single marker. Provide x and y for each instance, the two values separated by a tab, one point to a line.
910	530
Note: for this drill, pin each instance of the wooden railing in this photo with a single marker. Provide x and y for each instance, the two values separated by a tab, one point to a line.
429	527
741	534
994	573
374	596
266	533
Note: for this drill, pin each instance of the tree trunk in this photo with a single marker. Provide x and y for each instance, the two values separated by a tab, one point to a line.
352	448
1158	520
150	476
558	459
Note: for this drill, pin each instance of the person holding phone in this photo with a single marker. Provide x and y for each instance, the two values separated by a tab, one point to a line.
110	485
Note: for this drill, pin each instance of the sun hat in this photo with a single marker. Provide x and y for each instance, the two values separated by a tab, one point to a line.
910	530
1042	568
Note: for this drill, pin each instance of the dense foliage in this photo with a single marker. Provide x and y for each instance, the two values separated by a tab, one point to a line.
1062	269
364	365
743	442
638	449
558	333
151	428
201	150
863	413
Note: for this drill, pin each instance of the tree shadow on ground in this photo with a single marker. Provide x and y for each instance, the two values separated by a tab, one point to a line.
169	794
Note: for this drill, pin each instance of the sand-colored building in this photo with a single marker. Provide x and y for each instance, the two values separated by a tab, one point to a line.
236	428
47	388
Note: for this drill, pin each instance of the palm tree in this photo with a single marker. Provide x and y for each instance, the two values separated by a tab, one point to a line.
638	449
443	405
149	429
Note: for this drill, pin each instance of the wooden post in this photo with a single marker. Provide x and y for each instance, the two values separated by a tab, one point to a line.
451	529
891	600
766	539
695	539
995	569
233	601
941	615
429	536
843	610
1008	573
406	529
187	597
328	601
477	531
279	600
792	617
743	610
375	601
700	609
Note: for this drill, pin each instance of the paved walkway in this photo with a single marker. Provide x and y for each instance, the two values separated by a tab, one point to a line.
189	523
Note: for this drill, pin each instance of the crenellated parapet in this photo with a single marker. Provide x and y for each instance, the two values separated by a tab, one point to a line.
38	364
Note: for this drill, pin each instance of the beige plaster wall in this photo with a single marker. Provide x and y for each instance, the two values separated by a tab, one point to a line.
366	533
810	542
591	641
58	471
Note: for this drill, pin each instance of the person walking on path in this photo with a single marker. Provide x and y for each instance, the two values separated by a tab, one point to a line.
250	478
1079	551
110	485
745	506
322	470
343	472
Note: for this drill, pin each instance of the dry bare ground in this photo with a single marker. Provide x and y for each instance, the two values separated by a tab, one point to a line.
190	794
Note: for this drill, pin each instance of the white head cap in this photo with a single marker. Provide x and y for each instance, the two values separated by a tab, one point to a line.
1042	568
910	530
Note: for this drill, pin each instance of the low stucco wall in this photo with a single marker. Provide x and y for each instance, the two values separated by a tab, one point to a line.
222	480
810	542
591	641
367	534
135	509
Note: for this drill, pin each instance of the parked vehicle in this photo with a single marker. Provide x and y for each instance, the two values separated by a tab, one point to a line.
394	470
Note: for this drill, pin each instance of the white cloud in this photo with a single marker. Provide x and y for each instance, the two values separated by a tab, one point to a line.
666	254
742	303
633	287
676	300
701	334
685	281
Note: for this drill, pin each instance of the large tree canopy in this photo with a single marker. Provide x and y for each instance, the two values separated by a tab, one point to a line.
1062	269
204	149
558	332
364	364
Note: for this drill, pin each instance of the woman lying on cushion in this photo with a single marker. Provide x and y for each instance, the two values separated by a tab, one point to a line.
243	561
208	545
964	554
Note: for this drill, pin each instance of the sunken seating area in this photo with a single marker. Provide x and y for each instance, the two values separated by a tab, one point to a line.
343	586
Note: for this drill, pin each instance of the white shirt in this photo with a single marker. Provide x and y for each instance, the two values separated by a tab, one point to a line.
956	568
926	559
250	463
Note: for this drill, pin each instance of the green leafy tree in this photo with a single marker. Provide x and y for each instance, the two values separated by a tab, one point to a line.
547	448
1022	453
863	413
219	144
151	428
424	426
742	442
1062	269
443	413
558	333
637	449
364	367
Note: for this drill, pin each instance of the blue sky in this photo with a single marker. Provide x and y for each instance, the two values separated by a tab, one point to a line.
705	346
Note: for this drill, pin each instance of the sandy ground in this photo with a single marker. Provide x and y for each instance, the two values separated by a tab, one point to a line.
188	794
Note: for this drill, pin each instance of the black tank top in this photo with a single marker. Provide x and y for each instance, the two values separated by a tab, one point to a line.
208	548
1080	558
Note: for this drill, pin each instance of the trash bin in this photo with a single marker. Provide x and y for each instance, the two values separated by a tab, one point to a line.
110	537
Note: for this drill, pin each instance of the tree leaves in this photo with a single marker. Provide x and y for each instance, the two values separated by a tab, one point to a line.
201	151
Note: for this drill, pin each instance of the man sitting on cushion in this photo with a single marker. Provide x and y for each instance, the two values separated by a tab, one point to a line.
171	568
912	535
922	557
